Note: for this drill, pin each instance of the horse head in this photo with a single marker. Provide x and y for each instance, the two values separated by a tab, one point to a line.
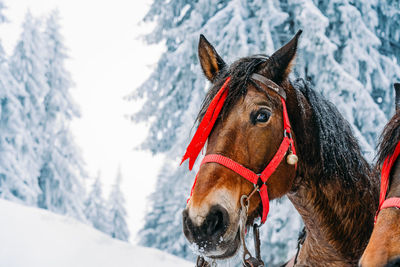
249	130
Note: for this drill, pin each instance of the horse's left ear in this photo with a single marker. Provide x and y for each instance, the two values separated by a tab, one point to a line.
397	99
280	63
210	61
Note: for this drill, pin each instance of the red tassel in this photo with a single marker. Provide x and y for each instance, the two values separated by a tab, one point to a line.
207	123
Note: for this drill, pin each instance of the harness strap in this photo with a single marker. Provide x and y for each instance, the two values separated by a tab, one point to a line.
270	84
232	165
385	173
386	168
259	181
276	160
393	202
265	202
250	175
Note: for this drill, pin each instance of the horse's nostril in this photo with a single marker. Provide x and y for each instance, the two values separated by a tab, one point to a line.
187	225
216	221
210	230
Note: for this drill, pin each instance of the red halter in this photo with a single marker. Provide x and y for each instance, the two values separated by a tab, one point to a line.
386	168
206	126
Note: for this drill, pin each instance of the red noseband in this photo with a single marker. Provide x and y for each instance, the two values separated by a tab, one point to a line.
206	125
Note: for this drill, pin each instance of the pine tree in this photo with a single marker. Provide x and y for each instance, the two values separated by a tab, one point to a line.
95	208
117	212
340	53
61	171
346	47
12	182
28	69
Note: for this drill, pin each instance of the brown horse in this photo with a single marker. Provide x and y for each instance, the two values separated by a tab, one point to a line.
332	186
384	244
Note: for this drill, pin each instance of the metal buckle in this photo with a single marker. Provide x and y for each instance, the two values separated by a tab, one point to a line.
286	134
259	183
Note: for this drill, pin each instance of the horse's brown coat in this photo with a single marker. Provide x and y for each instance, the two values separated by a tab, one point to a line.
385	240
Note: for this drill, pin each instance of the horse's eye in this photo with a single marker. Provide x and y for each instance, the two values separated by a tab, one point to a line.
261	116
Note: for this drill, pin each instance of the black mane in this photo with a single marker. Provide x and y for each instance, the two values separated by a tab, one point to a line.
389	138
335	153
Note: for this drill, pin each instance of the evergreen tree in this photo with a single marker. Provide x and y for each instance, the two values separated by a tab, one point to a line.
12	177
95	208
117	212
340	52
62	167
27	66
341	43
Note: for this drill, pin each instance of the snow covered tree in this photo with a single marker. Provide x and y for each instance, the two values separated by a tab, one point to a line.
12	177
40	164
61	170
388	27
340	53
96	209
341	43
23	145
117	213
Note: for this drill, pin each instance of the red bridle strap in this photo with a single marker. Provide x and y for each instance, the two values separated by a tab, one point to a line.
391	203
250	175
260	180
385	173
205	127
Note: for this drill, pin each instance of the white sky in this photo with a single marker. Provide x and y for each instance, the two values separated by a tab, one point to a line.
107	62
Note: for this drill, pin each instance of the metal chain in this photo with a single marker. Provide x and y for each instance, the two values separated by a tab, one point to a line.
248	259
242	224
201	262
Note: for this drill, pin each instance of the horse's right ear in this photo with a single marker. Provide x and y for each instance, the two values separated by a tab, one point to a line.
210	61
279	64
397	99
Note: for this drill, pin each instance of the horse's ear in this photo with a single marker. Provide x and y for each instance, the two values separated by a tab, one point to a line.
210	61
397	99
280	63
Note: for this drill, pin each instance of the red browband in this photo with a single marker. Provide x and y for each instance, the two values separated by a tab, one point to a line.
385	173
206	126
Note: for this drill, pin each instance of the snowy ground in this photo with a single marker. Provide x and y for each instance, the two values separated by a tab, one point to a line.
38	238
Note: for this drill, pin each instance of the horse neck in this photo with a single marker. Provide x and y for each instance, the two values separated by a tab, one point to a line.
338	227
338	221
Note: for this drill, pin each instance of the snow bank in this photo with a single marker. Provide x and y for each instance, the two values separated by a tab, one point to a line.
38	238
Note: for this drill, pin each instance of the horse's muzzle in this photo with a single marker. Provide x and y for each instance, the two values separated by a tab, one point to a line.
209	234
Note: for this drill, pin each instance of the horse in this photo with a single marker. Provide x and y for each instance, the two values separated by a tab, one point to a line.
268	137
384	244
